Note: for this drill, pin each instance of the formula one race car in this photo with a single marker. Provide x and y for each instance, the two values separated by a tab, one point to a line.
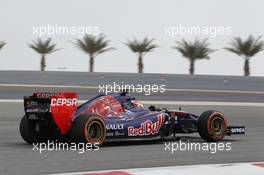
108	118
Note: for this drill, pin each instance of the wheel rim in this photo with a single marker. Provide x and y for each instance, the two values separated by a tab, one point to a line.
95	132
218	126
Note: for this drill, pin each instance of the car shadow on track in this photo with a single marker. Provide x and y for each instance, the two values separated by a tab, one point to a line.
128	143
16	144
157	142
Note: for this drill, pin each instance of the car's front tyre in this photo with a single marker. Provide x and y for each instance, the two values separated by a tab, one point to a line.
212	126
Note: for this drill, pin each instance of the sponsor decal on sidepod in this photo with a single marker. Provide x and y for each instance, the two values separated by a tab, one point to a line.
64	101
115	126
147	128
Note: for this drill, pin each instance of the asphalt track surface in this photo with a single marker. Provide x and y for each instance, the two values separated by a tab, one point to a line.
179	87
17	157
237	83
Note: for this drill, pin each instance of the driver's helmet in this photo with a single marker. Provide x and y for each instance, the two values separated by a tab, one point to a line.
132	104
137	104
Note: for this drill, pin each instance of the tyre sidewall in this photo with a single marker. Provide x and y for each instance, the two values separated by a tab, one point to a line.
78	133
204	125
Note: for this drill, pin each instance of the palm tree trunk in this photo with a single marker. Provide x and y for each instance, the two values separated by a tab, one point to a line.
140	63
246	67
191	70
91	63
42	63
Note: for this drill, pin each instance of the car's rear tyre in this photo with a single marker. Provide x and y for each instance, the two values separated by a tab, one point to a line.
26	130
212	126
88	129
29	134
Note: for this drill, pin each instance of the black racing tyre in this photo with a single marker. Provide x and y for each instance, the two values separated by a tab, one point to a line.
88	129
29	134
212	126
26	130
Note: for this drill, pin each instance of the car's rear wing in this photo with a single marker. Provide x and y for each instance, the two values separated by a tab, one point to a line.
61	106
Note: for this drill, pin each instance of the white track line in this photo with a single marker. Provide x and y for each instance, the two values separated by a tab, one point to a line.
215	91
11	101
178	103
204	103
49	86
97	88
207	169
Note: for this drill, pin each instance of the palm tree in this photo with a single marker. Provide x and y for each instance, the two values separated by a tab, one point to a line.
2	44
93	46
141	48
247	49
198	49
43	48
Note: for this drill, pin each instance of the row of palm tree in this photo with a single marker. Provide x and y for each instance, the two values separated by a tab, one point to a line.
43	48
141	48
2	44
246	49
93	46
192	50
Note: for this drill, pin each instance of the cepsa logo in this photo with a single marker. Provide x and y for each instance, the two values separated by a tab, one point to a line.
45	95
147	128
64	102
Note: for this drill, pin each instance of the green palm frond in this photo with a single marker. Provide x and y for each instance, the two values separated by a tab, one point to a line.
43	46
2	44
144	46
248	48
93	45
199	49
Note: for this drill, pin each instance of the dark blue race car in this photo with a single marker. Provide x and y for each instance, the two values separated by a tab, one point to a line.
109	118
